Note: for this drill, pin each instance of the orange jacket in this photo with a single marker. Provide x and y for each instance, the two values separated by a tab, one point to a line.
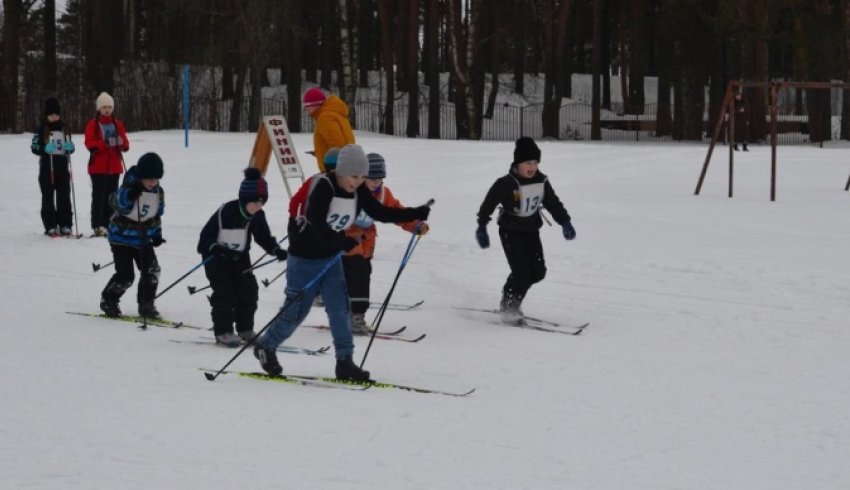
106	159
369	235
332	128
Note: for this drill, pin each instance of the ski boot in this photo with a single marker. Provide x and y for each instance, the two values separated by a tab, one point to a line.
110	308
228	340
346	370
358	324
148	310
268	360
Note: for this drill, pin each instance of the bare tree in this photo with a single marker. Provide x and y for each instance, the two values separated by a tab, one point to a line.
49	18
413	67
636	53
595	129
461	67
432	75
386	33
349	43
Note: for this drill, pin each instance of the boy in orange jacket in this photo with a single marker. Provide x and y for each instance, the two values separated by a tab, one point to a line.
357	263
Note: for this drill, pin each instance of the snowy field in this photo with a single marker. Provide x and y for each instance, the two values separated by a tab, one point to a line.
716	357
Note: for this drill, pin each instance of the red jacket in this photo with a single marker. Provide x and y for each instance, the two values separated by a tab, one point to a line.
106	158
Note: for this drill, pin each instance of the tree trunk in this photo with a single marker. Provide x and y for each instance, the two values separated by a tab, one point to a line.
13	13
433	75
50	45
549	115
845	100
348	42
294	42
663	116
387	48
595	128
413	67
464	102
519	47
238	101
606	55
328	52
624	60
636	72
256	102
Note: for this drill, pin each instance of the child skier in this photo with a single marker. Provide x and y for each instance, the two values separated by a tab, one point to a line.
316	239
53	146
521	193
357	262
134	230
106	139
227	238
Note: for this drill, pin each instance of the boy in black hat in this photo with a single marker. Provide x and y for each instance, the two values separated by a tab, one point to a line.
521	193
134	230
227	238
53	145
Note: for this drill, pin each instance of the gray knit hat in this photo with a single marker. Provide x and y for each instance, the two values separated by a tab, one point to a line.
352	161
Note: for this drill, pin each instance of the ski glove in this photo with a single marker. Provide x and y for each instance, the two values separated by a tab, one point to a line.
50	148
280	253
69	147
157	240
134	190
569	231
422	212
482	237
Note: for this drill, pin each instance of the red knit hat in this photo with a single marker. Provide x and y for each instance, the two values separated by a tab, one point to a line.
313	97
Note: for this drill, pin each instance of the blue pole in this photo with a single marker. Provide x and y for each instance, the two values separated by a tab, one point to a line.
186	106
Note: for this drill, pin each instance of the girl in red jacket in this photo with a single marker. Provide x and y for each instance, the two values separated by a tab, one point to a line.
106	139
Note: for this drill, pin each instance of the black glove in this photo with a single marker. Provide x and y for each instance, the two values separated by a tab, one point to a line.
220	251
422	212
482	237
157	240
280	253
569	231
134	190
349	243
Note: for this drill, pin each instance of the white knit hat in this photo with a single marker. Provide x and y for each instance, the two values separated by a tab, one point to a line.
352	161
104	99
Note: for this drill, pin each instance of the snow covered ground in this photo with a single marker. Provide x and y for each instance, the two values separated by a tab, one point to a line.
716	357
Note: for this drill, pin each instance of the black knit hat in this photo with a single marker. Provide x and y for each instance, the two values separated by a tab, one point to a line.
51	106
150	166
526	149
254	187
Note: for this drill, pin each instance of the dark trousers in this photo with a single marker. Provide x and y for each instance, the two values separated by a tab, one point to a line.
525	258
125	257
102	185
55	184
234	294
358	275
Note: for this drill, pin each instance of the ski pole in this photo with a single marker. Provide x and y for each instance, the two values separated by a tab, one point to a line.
266	282
73	193
184	276
376	323
257	266
144	324
193	289
264	255
97	267
286	306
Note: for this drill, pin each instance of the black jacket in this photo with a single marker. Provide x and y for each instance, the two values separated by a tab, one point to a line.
39	140
505	192
232	216
314	238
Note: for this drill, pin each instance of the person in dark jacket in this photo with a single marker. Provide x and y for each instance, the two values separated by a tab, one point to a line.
106	139
227	239
521	193
316	242
53	145
134	230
